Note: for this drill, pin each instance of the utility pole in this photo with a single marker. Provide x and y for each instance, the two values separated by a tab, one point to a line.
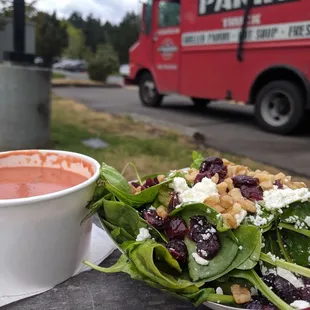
19	19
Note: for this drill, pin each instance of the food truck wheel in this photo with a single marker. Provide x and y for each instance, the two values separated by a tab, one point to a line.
148	93
200	103
279	107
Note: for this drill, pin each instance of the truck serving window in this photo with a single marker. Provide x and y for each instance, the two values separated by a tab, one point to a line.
168	13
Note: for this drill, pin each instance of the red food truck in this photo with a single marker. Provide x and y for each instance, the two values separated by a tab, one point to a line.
251	51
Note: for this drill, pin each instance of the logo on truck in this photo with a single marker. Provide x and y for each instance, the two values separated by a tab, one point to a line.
220	6
167	49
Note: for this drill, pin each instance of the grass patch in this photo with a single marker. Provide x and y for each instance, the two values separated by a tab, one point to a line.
151	149
56	75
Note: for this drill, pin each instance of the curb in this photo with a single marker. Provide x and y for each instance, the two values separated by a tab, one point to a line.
87	85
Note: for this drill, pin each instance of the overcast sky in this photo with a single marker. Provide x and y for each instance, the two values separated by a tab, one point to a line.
106	10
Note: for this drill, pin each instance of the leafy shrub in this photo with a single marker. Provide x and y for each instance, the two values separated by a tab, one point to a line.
103	64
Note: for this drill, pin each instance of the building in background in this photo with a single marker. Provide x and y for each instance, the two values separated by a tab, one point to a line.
6	38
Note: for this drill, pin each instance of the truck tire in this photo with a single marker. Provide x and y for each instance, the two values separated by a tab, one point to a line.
200	103
279	107
148	93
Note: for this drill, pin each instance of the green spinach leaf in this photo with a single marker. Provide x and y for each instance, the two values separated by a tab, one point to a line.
189	209
126	218
145	254
113	177
197	158
144	197
297	247
217	265
296	211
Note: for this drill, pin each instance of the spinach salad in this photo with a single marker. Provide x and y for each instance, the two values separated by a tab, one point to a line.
215	232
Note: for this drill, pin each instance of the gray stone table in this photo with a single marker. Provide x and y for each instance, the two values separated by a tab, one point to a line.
94	290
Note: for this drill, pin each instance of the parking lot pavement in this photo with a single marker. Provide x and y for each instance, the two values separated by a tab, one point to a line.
226	127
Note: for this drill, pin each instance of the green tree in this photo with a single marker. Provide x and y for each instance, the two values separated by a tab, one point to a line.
103	64
126	35
51	37
76	43
7	9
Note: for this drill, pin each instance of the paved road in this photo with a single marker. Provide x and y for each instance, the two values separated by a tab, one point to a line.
226	127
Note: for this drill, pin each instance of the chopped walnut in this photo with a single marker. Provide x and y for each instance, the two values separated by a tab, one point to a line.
231	170
229	220
215	178
279	176
135	190
250	173
240	294
161	178
226	201
236	208
241	170
212	201
222	188
246	204
229	183
191	175
266	185
218	208
161	211
264	177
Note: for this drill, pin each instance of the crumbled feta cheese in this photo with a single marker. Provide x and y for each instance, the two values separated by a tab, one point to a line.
276	199
204	253
206	236
253	291
151	208
198	193
240	216
143	234
219	291
272	256
199	260
258	220
300	304
307	220
240	247
289	277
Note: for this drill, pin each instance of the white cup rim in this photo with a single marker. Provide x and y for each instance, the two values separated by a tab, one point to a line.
4	203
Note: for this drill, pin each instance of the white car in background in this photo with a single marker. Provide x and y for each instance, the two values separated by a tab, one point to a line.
124	70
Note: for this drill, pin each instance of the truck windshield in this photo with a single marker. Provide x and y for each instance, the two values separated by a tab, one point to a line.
169	13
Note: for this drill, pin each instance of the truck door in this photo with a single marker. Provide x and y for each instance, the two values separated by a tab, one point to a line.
166	45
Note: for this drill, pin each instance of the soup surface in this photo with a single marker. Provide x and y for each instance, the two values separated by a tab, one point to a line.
22	182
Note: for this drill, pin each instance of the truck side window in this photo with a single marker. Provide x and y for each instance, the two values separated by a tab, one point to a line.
148	16
168	13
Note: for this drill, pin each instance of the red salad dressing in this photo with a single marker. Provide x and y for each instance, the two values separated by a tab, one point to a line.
22	182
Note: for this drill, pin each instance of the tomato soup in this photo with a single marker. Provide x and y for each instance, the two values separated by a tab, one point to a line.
22	182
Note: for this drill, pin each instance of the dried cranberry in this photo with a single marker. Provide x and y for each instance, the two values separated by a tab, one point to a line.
207	163
278	183
210	167
208	249
174	201
156	181
178	250
153	219
175	228
304	293
240	180
254	305
200	229
283	288
135	184
252	192
149	183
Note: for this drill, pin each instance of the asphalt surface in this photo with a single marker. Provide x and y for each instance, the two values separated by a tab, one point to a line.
226	127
